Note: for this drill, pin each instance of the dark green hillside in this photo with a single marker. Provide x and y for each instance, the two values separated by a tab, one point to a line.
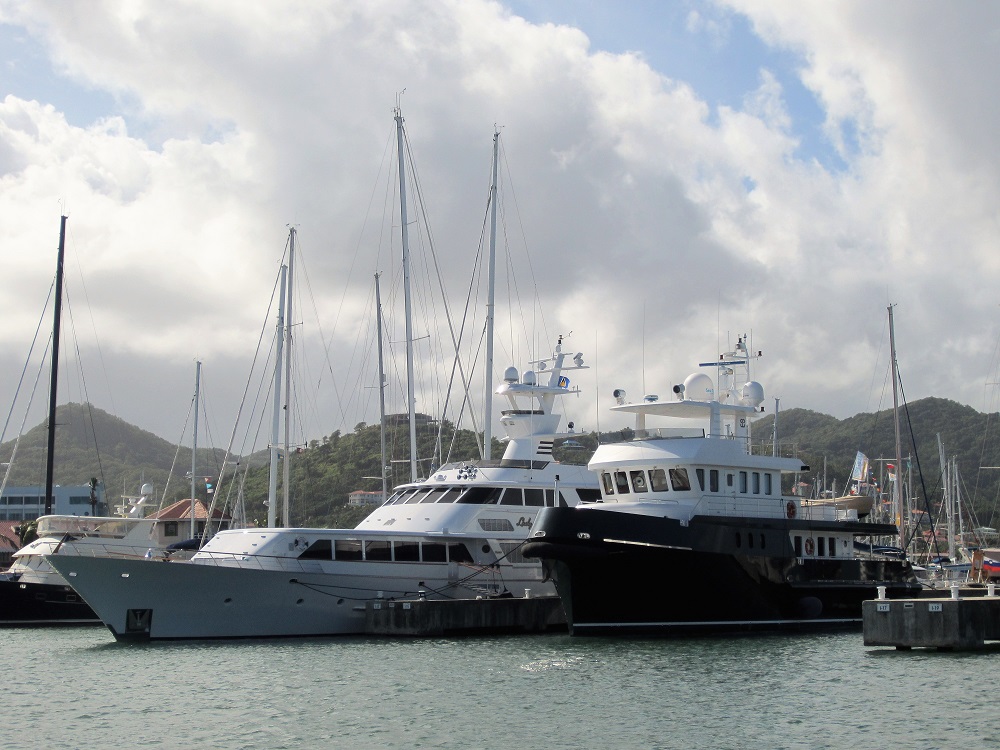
92	443
968	435
326	471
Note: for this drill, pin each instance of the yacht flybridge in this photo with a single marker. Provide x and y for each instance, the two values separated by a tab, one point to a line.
456	535
693	533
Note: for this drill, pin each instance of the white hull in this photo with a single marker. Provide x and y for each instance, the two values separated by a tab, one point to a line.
148	599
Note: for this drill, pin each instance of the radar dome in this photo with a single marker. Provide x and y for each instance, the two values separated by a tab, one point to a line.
510	375
528	378
146	489
699	387
752	394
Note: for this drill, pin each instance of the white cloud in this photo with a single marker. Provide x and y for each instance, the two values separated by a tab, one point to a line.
655	225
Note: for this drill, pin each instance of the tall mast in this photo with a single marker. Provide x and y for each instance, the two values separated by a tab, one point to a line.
272	487
488	399
410	399
50	458
381	387
194	444
286	463
897	488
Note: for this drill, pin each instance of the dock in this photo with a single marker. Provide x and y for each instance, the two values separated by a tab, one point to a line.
954	622
439	617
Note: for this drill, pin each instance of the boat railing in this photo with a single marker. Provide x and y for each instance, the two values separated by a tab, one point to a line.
756	506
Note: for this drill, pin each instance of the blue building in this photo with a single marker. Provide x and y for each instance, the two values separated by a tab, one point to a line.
26	503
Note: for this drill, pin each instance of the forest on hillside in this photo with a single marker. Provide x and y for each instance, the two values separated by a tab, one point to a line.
92	443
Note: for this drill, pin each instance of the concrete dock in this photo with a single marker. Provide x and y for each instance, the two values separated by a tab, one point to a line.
953	622
435	617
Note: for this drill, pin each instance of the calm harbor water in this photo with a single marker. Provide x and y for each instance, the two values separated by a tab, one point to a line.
77	688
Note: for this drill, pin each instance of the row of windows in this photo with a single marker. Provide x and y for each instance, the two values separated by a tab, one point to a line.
819	546
536	497
385	551
637	480
27	500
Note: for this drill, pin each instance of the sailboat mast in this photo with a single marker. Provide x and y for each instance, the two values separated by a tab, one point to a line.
381	387
897	486
54	380
488	399
404	226
272	487
194	444
286	463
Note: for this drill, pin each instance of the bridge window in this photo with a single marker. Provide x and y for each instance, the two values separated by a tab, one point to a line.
621	482
638	480
658	480
379	550
743	483
713	480
609	483
679	480
347	549
756	483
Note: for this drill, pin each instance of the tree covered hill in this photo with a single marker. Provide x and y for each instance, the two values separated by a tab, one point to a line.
326	471
973	438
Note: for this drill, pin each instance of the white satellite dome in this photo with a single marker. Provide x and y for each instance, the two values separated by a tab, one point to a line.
699	387
752	394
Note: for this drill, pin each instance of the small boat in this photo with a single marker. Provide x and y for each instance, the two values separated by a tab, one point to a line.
694	535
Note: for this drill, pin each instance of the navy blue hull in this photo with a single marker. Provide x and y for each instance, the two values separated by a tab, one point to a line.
42	604
653	576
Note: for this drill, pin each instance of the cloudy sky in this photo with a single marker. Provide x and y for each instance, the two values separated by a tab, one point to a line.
673	175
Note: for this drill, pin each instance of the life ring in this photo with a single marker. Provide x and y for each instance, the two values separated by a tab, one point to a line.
809	546
790	509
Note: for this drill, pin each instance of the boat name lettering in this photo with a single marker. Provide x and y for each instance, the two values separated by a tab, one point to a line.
524	522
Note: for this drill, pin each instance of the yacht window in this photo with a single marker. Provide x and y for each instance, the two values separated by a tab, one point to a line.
700	473
743	483
407	551
679	480
347	549
767	484
821	546
638	480
495	524
458	552
586	495
549	498
450	495
762	538
394	497
621	482
609	483
798	546
658	480
402	497
481	495
833	546
512	496
729	480
379	550
418	497
713	480
534	496
321	549
750	540
739	540
434	552
756	483
562	499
